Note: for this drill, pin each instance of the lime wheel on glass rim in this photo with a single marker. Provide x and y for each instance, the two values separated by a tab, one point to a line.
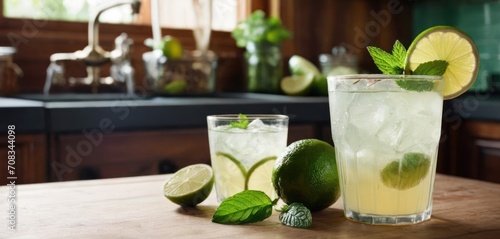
453	46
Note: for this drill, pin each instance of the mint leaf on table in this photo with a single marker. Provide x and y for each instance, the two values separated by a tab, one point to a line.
242	122
296	215
432	68
244	207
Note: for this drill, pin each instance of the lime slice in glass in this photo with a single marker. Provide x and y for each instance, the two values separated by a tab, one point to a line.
453	46
259	176
409	173
190	185
230	174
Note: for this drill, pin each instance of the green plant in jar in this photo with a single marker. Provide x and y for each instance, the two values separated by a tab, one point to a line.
262	37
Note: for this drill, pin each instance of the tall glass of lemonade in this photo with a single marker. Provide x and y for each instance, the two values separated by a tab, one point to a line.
386	130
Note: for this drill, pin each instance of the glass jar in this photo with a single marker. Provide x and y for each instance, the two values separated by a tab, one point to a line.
340	62
9	72
264	67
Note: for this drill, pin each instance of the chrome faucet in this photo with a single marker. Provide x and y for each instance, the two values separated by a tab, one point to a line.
93	56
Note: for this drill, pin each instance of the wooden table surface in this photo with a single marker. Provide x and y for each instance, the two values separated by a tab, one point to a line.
135	208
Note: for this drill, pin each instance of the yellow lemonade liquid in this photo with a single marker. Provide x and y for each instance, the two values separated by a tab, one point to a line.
365	193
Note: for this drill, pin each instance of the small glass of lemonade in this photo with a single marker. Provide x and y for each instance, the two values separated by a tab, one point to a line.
243	149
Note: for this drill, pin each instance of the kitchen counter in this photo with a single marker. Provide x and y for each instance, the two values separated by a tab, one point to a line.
73	112
473	106
134	207
21	112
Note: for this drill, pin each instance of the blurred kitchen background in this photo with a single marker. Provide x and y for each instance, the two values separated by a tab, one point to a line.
70	128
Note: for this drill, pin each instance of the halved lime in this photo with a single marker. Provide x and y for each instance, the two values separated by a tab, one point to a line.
297	85
409	173
300	66
453	46
259	176
190	185
230	173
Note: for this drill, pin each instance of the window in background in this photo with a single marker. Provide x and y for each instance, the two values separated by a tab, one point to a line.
66	10
180	14
173	13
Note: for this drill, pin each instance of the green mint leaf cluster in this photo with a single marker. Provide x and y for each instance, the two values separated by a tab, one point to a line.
296	215
242	122
391	64
394	64
259	29
245	207
408	173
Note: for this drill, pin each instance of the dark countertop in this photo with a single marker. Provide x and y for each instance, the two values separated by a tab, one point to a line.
474	106
26	115
66	113
72	113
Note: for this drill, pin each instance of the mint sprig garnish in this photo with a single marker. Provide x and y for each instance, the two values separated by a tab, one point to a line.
245	207
391	64
394	64
296	215
242	122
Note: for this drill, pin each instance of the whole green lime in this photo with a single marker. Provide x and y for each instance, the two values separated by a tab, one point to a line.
306	172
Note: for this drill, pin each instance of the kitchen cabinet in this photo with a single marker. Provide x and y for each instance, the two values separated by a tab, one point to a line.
478	150
30	159
121	154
